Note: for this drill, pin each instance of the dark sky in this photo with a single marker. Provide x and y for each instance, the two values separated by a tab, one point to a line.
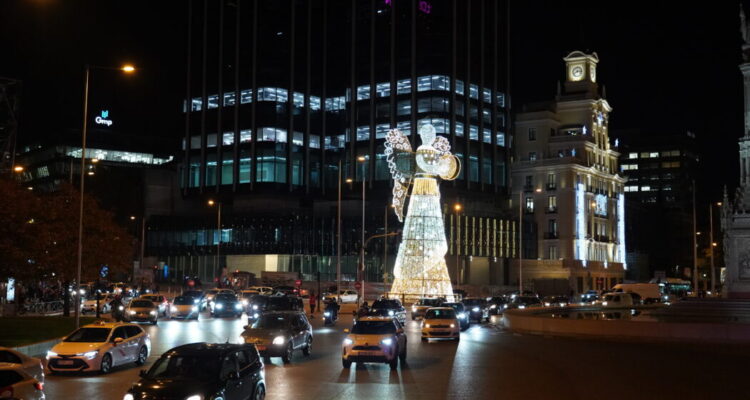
666	67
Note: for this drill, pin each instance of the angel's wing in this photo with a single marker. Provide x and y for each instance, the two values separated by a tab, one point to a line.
400	159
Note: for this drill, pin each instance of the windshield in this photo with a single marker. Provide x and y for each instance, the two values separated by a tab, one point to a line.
374	328
199	368
473	302
141	304
440	314
183	301
213	291
278	303
527	300
193	293
151	298
387	304
456	306
429	302
273	322
225	297
89	335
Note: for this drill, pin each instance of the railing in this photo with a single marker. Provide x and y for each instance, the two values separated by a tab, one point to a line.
41	307
551	186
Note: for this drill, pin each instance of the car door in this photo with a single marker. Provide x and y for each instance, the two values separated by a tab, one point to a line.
229	375
400	336
248	372
119	352
135	340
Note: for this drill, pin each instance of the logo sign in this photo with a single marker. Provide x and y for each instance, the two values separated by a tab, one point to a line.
298	282
102	118
104	271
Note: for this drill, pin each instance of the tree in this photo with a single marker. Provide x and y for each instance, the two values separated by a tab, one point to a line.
19	211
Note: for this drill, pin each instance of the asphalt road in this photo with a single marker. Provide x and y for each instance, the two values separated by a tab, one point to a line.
488	363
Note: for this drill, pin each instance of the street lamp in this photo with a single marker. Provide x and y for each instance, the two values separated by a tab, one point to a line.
127	69
18	169
363	159
142	243
713	244
457	208
211	203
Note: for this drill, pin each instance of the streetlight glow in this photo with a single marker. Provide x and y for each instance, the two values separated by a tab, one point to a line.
211	202
18	168
361	158
91	173
457	207
132	217
719	204
349	180
128	68
94	160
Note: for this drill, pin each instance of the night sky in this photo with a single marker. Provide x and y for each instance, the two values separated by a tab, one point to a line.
666	68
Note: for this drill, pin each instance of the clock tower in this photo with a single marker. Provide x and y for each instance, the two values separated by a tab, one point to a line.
580	73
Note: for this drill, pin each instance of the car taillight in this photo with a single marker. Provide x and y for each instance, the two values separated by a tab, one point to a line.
39	386
6	391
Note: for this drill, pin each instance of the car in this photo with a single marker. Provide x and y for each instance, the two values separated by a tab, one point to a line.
555	301
246	297
226	304
99	347
419	308
279	334
33	366
199	298
389	308
495	304
142	310
160	301
286	290
477	309
374	340
461	314
261	303
89	305
344	296
203	371
522	302
17	383
184	307
441	322
264	290
210	294
619	300
589	297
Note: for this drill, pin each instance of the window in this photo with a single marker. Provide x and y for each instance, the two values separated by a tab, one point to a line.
228	366
631	188
553	253
628	167
529	204
646	188
529	180
552	203
551	181
532	156
532	134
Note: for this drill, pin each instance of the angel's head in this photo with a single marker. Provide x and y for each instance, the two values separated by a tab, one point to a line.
427	133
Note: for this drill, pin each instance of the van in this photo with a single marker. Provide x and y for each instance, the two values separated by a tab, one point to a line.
649	292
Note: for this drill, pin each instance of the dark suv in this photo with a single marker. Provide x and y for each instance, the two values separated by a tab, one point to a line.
203	371
279	333
477	309
389	308
226	304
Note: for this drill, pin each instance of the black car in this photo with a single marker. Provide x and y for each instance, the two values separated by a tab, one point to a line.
389	308
495	304
199	298
463	316
523	302
555	301
477	309
203	371
280	333
286	290
226	304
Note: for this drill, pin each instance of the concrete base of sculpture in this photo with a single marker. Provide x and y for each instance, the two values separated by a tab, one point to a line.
737	256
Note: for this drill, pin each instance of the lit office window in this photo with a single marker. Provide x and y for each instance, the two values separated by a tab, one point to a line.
632	155
226	168
197	104
299	100
268	134
500	99
383	89
424	83
487	95
227	139
298	139
459	129
245	166
211	140
441	82
474	132
500	137
381	130
441	125
474	91
314	141
404	127
314	103
530	204
363	133
459	87
246	136
363	92
228	99
403	86
486	135
246	96
213	101
403	107
336	103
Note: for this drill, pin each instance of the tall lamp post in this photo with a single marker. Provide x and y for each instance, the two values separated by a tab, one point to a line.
212	203
363	159
520	241
127	69
457	208
142	244
338	239
712	244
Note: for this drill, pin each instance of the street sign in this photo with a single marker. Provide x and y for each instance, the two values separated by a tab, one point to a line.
298	282
104	271
357	285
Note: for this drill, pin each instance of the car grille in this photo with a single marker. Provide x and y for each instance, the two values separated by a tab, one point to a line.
439	326
440	333
366	348
77	363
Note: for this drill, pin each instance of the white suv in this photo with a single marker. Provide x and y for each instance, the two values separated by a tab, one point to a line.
99	347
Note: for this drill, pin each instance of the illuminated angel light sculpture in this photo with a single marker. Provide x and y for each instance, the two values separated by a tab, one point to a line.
420	268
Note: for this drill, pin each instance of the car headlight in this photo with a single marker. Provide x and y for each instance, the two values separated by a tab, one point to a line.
128	396
413	309
255	315
219	306
475	309
327	314
279	340
604	303
173	309
51	353
562	304
462	315
348	342
153	312
426	325
453	325
238	306
195	397
493	306
195	301
522	306
391	313
131	312
194	309
120	308
89	355
255	306
505	306
546	304
244	302
387	341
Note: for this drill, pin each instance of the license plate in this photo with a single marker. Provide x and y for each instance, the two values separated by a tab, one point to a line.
65	362
261	348
368	353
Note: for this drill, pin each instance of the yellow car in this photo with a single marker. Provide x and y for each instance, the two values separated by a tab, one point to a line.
441	322
375	340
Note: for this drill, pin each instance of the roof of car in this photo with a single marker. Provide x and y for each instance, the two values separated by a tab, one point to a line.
283	312
105	324
376	318
439	308
202	347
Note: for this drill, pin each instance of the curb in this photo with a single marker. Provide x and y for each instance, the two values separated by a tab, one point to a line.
37	349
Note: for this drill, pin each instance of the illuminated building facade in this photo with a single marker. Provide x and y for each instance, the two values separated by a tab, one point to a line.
566	178
280	93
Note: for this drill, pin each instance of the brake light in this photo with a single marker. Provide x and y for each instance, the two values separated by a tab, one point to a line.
39	386
6	392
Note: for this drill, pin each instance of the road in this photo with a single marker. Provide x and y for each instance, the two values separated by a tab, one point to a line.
488	363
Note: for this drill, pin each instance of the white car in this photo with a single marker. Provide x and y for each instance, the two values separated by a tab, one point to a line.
347	296
99	347
184	307
616	300
16	383
441	322
89	305
375	339
30	364
264	290
160	301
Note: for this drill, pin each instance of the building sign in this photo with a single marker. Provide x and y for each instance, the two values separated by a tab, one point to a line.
102	118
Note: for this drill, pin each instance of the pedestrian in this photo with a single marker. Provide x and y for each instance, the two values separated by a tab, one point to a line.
313	302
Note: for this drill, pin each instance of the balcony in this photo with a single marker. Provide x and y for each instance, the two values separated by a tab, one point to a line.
550	210
551	186
551	235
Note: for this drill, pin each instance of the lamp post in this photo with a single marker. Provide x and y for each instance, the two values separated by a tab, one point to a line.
457	208
338	239
127	69
218	229
142	243
695	247
363	159
712	244
520	241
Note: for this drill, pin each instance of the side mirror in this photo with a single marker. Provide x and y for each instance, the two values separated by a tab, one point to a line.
142	373
400	330
346	330
118	340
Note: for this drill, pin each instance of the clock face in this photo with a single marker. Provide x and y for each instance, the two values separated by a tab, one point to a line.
577	71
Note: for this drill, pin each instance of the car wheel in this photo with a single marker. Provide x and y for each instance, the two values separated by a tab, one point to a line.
308	347
413	318
394	363
142	356
287	357
260	393
346	363
106	364
154	322
402	356
424	339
